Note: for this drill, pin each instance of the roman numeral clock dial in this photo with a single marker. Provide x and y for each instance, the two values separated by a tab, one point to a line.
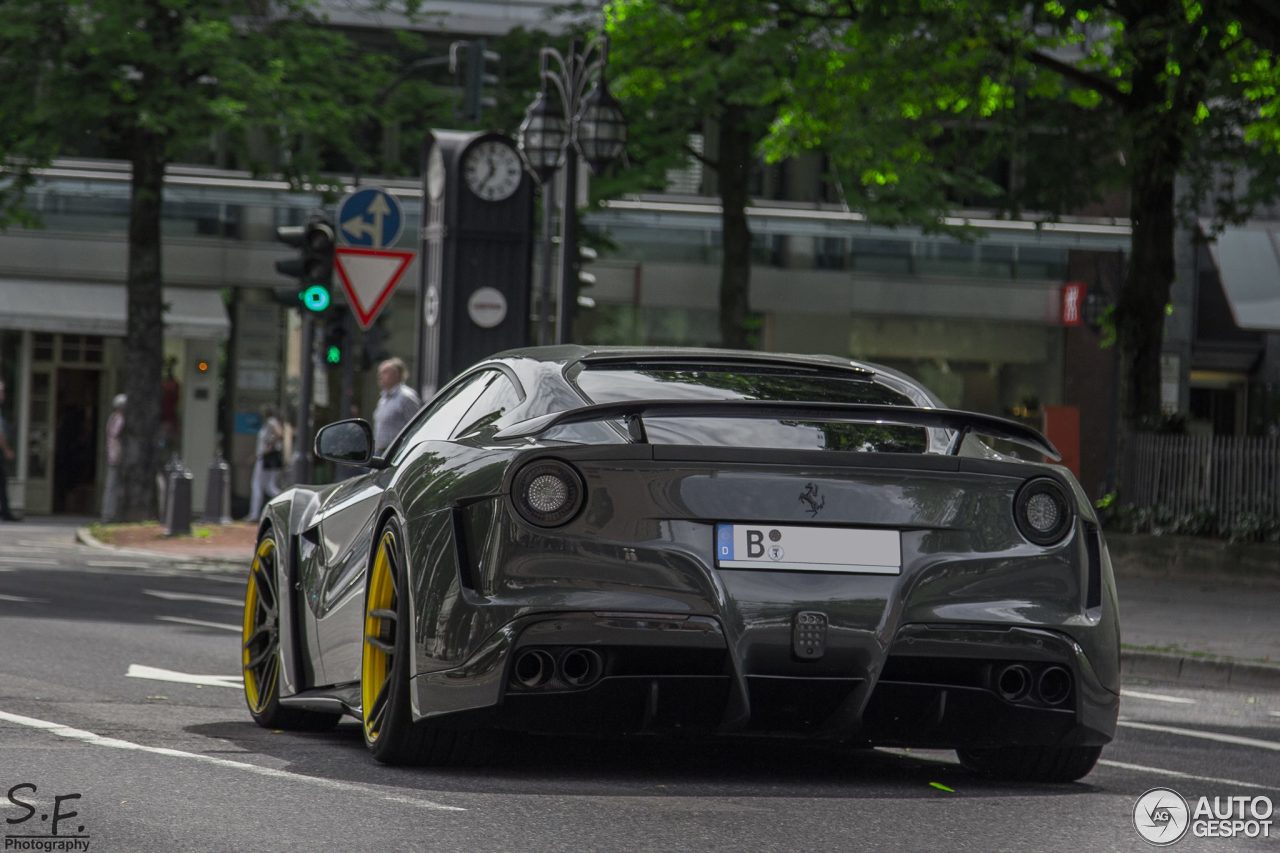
492	170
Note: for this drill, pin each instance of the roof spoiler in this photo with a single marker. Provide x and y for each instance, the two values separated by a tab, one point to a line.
634	412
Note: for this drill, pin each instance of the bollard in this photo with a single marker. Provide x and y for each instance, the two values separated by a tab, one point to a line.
177	509
162	484
217	492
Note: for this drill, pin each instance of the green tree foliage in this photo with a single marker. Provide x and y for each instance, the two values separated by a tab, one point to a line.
682	66
150	81
1174	101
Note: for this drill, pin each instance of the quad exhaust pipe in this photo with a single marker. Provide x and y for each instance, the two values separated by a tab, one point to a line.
1013	683
1017	683
1054	686
581	667
536	668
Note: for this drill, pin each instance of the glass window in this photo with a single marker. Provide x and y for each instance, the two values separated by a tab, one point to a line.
495	401
438	419
673	381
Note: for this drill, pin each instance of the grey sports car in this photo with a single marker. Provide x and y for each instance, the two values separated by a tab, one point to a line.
690	541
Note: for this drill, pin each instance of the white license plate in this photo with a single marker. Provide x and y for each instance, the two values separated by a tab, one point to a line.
808	549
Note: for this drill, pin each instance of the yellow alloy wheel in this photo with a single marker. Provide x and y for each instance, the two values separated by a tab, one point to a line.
260	635
379	638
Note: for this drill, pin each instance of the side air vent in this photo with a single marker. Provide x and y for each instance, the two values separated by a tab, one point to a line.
1093	550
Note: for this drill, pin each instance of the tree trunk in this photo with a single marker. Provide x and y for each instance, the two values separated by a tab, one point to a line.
145	335
734	161
1155	157
1140	312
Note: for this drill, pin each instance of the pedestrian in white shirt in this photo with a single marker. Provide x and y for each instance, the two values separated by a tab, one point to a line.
397	404
269	461
115	455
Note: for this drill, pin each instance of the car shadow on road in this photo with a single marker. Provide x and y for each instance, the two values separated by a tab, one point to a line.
642	766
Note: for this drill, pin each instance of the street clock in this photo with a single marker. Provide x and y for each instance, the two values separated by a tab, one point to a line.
476	252
493	169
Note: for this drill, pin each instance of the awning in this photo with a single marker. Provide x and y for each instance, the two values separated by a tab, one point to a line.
99	309
1248	260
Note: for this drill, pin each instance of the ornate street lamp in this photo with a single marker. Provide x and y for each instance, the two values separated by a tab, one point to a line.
542	136
551	136
602	129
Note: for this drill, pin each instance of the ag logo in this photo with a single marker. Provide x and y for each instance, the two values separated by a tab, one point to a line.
1161	816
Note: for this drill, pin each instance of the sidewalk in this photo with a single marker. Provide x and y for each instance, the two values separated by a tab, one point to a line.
1200	630
1208	632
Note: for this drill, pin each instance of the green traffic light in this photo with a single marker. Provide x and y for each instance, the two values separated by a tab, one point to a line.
333	354
315	298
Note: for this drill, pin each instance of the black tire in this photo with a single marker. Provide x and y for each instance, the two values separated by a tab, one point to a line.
1032	763
387	723
260	648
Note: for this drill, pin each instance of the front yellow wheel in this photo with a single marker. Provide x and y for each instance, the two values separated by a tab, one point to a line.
260	647
378	664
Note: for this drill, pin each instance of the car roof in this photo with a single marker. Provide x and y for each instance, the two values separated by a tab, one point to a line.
570	353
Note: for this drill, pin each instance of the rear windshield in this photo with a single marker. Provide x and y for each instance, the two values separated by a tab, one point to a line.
619	383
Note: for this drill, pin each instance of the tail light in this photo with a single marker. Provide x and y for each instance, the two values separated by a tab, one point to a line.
548	492
1043	511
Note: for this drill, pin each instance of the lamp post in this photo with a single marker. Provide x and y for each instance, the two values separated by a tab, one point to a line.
584	123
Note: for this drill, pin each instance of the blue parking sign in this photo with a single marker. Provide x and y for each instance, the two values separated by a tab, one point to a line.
370	217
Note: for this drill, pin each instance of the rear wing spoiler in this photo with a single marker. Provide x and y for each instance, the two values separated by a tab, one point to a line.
633	413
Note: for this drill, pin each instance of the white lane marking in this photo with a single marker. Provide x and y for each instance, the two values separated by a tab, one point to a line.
199	623
1156	697
1215	736
190	596
238	580
1274	713
23	599
29	561
112	564
116	743
1160	771
156	674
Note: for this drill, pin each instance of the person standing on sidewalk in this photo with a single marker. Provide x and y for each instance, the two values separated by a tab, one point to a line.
396	406
6	456
115	455
269	462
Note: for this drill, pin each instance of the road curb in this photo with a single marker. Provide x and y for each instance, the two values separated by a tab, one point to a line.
1199	671
84	537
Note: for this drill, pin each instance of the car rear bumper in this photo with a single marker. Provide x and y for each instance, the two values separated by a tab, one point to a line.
933	686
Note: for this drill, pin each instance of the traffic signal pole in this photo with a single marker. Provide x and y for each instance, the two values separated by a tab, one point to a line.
567	295
312	269
302	424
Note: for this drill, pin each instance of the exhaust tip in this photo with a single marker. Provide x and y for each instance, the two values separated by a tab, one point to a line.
581	667
1054	686
533	668
1013	683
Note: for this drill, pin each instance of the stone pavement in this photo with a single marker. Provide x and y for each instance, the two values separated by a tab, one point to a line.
1191	628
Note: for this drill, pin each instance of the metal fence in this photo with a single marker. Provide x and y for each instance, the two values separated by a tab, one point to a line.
1231	477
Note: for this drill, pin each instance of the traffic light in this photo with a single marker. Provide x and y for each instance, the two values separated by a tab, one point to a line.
313	266
335	341
477	76
586	280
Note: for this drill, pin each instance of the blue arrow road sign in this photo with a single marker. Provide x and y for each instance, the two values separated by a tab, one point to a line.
370	217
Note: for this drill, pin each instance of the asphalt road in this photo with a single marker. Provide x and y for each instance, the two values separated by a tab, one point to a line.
86	640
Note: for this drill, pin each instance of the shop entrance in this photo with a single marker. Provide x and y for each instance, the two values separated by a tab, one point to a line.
76	441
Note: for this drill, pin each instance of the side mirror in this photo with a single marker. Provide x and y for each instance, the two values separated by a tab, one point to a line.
349	442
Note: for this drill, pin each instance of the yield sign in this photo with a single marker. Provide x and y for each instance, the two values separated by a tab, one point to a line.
369	276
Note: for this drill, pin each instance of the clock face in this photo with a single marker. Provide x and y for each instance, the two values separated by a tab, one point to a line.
492	170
